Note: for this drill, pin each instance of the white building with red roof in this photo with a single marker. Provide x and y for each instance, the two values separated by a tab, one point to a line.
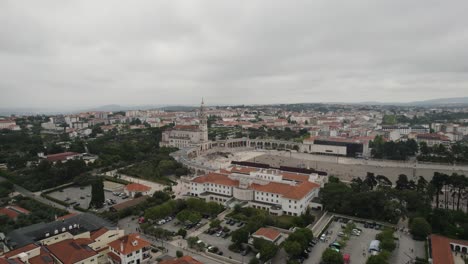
269	234
129	249
133	188
278	192
9	124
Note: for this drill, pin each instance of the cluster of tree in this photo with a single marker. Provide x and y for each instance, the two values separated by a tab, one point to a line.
428	118
190	209
6	188
39	212
374	198
247	214
48	175
330	256
97	193
447	154
158	198
266	249
297	242
19	147
401	150
126	148
225	132
159	166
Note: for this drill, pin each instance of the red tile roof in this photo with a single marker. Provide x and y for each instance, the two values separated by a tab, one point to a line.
136	187
98	233
61	156
44	257
295	176
71	251
441	252
17	251
216	178
429	136
10	261
9	213
13	211
63	217
130	243
267	233
182	260
295	192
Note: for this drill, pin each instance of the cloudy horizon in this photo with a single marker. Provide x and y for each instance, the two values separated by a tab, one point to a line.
76	54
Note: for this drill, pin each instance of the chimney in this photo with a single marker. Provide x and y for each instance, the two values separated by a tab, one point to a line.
121	247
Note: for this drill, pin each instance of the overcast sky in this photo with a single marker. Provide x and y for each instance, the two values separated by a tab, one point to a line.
65	54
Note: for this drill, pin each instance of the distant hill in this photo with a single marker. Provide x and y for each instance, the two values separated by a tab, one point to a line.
442	101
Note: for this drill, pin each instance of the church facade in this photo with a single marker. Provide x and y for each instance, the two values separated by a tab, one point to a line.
189	136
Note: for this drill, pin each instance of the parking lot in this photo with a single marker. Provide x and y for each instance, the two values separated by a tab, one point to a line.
175	225
223	243
82	196
356	246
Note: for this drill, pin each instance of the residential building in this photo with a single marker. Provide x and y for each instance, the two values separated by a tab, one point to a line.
133	188
269	234
432	139
130	249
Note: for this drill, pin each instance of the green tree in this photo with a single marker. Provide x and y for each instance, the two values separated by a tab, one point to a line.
330	256
420	228
293	248
239	236
182	232
215	223
402	182
97	194
192	241
179	253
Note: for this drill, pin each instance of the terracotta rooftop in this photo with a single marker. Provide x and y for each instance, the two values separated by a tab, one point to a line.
136	187
13	211
181	260
71	251
295	192
130	243
98	233
295	176
441	252
17	251
10	261
432	137
44	257
216	178
267	233
61	156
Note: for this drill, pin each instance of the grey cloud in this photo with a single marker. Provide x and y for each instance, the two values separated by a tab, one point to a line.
87	53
